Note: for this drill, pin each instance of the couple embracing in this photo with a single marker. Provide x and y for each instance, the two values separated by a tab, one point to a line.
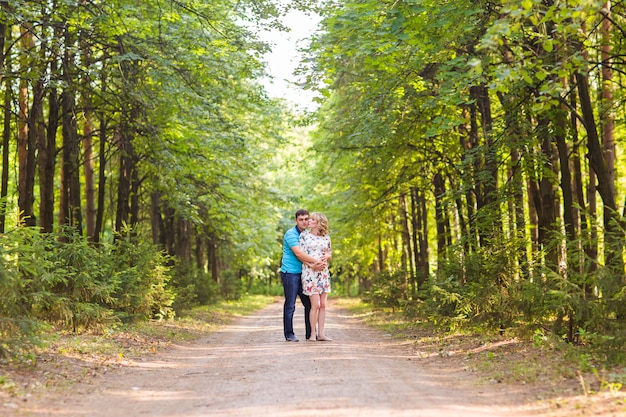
304	273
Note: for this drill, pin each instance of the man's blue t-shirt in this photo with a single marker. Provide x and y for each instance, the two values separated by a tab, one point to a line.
290	263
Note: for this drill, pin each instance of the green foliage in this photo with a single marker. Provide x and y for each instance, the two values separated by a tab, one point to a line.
480	289
20	288
68	282
142	274
192	286
76	285
387	289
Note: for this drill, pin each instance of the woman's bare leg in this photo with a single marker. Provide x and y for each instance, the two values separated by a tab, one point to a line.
314	314
321	317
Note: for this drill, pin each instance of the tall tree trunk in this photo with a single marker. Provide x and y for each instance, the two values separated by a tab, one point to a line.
6	133
475	198
127	187
183	240
607	115
421	228
88	131
200	251
487	178
560	123
213	258
414	239
36	138
547	211
608	141
614	235
6	140
124	178
580	207
441	218
156	221
101	173
168	233
25	149
462	223
88	169
47	157
514	130
70	180
407	252
135	185
592	249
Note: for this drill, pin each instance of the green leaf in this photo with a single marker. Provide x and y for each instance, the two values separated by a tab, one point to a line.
548	46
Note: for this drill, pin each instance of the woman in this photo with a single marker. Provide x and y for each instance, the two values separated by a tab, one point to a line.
316	283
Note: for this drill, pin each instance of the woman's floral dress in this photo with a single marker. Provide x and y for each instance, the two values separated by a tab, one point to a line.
315	282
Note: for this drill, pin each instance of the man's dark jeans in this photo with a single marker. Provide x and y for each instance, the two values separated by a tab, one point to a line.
293	288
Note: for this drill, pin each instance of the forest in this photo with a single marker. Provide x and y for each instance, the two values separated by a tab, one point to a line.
468	154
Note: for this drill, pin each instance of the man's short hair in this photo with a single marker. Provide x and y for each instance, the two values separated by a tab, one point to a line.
302	212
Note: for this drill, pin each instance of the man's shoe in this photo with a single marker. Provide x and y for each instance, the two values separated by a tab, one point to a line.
292	338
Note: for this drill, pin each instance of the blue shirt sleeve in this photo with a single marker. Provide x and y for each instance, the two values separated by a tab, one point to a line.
290	263
292	239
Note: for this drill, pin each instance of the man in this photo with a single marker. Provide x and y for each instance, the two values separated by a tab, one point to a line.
290	274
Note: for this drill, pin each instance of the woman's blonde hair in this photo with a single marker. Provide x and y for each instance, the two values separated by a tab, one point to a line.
322	222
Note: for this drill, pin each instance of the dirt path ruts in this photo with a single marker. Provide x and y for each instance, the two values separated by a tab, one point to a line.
247	369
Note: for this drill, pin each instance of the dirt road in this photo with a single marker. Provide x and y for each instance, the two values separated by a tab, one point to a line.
247	369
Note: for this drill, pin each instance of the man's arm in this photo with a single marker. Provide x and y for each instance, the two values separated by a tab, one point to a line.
297	250
314	263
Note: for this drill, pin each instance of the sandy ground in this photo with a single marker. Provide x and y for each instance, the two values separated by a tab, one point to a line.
248	369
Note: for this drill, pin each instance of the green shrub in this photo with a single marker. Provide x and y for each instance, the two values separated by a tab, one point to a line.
388	289
22	284
141	274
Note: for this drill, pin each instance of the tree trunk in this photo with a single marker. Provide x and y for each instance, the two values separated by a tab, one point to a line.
25	146
135	185
156	221
199	251
407	252
566	175
88	121
475	198
441	218
547	211
124	178
607	115
6	141
183	240
127	188
212	258
580	207
6	132
70	181
414	239
88	171
101	174
487	174
47	157
420	227
36	138
614	235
